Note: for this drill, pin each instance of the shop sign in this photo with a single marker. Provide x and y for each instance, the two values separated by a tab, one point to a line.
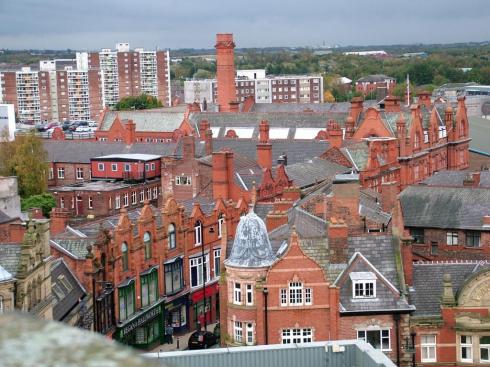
143	319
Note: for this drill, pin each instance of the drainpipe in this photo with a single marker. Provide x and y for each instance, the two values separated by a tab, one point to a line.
397	330
266	293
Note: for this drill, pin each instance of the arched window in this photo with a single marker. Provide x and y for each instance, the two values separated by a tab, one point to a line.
172	243
198	233
124	256
221	221
147	242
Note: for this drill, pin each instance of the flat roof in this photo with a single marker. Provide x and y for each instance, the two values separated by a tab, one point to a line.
129	157
97	186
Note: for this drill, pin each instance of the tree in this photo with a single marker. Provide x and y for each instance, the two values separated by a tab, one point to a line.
25	158
44	201
141	102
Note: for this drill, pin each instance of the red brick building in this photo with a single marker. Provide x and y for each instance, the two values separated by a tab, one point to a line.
372	83
270	300
225	72
129	167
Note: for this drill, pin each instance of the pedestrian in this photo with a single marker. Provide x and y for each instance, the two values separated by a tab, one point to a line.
169	332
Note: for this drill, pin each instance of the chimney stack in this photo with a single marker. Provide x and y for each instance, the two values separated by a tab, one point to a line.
392	104
208	142
337	241
130	132
424	98
264	148
188	147
225	71
356	106
222	174
59	220
334	134
203	127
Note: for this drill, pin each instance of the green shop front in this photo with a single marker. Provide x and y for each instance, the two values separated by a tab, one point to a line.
145	329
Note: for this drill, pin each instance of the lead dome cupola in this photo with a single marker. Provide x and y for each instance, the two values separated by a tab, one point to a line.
251	247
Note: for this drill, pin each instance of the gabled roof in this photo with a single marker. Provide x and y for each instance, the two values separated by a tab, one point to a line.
445	207
387	295
314	170
147	120
358	154
426	292
370	207
67	290
456	178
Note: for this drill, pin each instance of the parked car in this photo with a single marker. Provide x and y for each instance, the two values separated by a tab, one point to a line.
201	339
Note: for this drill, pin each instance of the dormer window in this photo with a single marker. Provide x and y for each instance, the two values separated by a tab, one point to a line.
363	284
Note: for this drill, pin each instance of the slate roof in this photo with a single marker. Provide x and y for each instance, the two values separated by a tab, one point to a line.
387	296
357	153
67	291
456	178
10	257
445	207
148	120
207	204
314	170
75	240
288	119
480	135
426	292
391	118
340	107
370	207
4	275
72	151
4	218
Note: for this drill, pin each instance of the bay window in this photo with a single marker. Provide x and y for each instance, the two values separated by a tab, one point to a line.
196	268
126	301
149	287
173	276
237	293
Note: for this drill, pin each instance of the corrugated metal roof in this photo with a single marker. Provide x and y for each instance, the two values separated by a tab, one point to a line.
325	354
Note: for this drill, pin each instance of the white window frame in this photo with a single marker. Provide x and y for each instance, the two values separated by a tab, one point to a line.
308	296
90	202
79	173
238	331
217	259
452	238
484	346
126	199
363	288
155	193
142	196
221	221
295	293
198	233
117	202
237	293
183	180
62	202
196	262
381	337
114	167
134	198
249	297
51	173
153	166
250	334
466	345
101	167
297	336
61	173
127	167
283	296
428	347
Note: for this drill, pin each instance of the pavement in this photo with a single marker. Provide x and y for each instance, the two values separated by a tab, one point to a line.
180	341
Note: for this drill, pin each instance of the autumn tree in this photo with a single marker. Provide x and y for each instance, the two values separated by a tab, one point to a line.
25	158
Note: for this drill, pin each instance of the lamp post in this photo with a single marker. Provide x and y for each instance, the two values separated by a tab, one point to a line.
265	291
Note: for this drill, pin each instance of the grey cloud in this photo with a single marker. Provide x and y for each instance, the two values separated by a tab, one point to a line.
92	24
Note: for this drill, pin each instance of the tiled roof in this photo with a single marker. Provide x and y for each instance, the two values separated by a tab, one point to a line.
314	170
339	107
456	178
445	207
67	291
146	121
391	118
207	204
370	207
10	257
81	151
480	135
76	247
428	283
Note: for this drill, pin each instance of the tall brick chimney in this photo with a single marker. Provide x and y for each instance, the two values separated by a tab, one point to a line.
407	259
334	134
208	142
356	106
337	241
350	125
225	71
264	148
392	104
389	194
401	135
188	147
130	132
59	220
223	171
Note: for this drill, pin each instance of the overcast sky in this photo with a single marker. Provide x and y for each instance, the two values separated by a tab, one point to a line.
93	24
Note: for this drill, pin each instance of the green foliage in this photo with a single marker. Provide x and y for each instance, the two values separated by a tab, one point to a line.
44	201
25	158
141	102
